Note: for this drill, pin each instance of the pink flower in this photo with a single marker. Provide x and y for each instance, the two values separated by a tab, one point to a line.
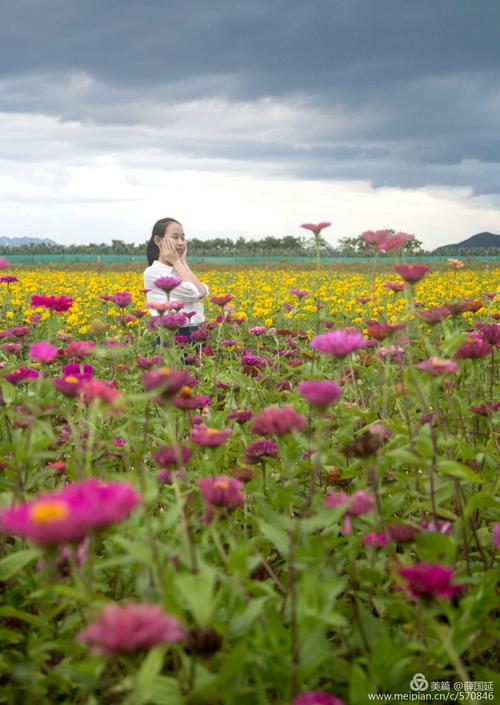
439	526
436	314
496	536
167	283
172	456
319	393
380	331
14	348
377	540
222	299
43	351
339	343
241	416
256	451
299	292
401	533
474	347
121	298
490	333
132	627
394	286
173	320
385	240
167	382
8	279
315	228
411	273
21	375
361	502
436	366
4	263
278	421
146	363
54	303
317	697
68	515
92	390
257	330
189	401
222	491
79	348
17	332
209	437
430	580
394	352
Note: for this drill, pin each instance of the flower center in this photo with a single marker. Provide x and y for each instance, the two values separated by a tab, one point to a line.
71	379
212	430
49	511
221	484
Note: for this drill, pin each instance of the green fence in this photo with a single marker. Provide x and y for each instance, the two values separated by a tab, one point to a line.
116	259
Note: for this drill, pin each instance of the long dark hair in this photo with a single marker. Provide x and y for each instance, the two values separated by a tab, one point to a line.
159	230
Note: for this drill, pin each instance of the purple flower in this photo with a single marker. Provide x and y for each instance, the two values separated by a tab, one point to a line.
436	366
376	540
222	491
490	333
430	580
167	283
209	437
256	451
241	416
496	536
173	320
172	456
8	279
278	421
299	292
21	375
361	502
132	627
473	348
257	330
319	393
339	343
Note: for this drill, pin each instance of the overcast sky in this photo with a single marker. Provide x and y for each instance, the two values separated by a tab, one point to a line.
249	117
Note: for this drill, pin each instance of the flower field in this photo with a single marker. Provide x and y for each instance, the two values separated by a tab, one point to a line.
297	506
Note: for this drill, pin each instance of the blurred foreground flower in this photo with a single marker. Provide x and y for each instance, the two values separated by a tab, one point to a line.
429	580
317	697
278	421
70	514
339	343
132	627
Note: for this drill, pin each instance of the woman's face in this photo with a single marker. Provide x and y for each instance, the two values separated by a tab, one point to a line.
175	233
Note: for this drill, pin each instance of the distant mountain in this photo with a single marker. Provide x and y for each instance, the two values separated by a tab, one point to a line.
23	241
475	241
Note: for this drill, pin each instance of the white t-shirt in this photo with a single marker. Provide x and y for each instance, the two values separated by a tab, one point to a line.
185	292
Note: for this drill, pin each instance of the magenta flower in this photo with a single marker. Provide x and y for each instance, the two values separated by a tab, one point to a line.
222	491
188	401
132	627
385	240
8	279
496	536
79	348
257	330
167	382
241	416
440	526
93	390
173	320
278	421
315	228
167	283
14	348
68	515
256	451
376	540
43	351
411	273
17	332
394	286
402	533
222	299
146	363
339	343
54	303
436	366
436	314
21	375
394	352
490	333
380	331
299	292
317	697
430	580
209	437
473	347
361	502
121	298
4	263
172	456
319	393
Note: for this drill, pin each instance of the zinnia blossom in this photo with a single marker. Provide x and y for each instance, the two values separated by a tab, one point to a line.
376	540
496	536
256	451
209	437
4	263
166	381
188	401
8	279
361	502
121	298
54	303
21	375
430	580
43	351
411	273
316	228
222	299
278	421
396	287
222	491
385	240
172	456
339	343
241	416
299	292
68	515
436	366
167	283
319	393
132	627
436	314
473	347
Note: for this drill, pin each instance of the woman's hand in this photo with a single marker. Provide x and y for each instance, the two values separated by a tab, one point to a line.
168	253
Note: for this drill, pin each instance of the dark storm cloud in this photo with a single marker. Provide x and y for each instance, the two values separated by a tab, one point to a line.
417	84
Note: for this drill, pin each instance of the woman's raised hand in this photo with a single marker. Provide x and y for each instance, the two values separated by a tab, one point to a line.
168	251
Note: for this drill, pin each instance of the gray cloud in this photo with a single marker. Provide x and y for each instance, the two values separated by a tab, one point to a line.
401	94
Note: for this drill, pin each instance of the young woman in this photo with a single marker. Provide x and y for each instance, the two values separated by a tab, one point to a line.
166	253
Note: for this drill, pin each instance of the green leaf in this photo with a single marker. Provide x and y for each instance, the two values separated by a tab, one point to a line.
240	624
165	691
197	592
11	565
276	536
458	470
147	675
359	686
